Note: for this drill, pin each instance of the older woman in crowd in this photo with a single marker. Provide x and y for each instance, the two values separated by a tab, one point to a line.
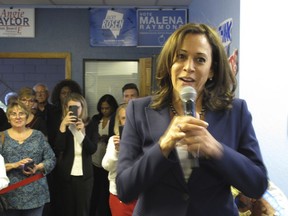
23	145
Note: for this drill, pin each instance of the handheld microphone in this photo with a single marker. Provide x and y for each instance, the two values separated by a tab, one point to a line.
188	96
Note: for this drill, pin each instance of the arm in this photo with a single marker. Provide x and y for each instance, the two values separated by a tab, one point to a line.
241	162
110	159
4	181
141	163
49	160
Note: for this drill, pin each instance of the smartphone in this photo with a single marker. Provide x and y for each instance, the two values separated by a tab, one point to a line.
120	130
30	164
74	110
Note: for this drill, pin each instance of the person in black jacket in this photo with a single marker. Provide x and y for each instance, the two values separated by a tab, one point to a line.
106	106
75	142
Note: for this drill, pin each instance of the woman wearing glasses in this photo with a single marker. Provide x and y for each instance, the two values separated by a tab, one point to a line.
22	145
28	97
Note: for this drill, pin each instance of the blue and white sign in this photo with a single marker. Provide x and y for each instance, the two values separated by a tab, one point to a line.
155	26
225	31
115	27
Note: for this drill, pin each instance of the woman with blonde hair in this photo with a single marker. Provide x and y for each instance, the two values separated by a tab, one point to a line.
109	163
76	141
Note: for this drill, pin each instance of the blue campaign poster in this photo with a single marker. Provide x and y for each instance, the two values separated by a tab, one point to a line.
155	26
113	27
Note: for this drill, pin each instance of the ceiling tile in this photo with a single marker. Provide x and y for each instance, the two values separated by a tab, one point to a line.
123	3
78	2
174	2
131	2
21	2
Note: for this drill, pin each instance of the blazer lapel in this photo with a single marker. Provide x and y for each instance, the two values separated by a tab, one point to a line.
158	122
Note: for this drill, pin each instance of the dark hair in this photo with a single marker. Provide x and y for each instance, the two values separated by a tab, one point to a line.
130	86
218	92
71	84
110	100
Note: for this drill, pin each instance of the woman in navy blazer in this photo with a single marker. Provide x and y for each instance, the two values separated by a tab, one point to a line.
177	164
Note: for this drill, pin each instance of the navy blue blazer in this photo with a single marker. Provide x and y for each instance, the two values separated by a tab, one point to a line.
158	182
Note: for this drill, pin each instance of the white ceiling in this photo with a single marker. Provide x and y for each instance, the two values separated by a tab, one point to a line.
95	3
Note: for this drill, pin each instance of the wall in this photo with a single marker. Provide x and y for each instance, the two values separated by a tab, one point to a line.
214	12
67	30
14	72
263	81
262	66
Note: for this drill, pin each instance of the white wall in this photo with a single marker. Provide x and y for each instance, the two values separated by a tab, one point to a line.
263	79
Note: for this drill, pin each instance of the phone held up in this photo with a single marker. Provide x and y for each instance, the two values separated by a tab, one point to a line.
74	110
120	130
28	165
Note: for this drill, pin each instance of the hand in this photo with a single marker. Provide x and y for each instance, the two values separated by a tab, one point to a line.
192	133
199	141
30	170
67	120
116	140
20	164
80	125
27	167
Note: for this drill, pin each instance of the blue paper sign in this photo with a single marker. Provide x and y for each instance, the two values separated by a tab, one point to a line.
155	26
117	27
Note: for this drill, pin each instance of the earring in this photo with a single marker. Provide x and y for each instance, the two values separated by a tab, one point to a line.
211	78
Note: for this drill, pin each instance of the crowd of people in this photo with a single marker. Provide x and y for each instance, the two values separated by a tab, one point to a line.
136	157
67	149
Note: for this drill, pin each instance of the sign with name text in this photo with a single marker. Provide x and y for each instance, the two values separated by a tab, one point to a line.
155	26
17	22
113	27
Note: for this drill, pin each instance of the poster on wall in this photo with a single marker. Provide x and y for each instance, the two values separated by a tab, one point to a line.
155	26
225	32
113	27
17	22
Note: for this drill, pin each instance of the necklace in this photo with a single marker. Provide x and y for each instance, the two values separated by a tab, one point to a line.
173	110
202	112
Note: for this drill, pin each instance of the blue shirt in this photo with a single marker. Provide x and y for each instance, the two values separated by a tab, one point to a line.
35	194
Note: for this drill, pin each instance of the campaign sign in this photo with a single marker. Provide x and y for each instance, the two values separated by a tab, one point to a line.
225	31
17	22
113	27
155	26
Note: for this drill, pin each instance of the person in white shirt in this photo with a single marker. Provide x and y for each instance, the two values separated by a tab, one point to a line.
109	163
4	181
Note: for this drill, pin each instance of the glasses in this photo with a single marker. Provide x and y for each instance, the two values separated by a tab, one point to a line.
19	115
27	100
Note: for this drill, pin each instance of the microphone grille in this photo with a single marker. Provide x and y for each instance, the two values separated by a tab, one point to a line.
188	93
